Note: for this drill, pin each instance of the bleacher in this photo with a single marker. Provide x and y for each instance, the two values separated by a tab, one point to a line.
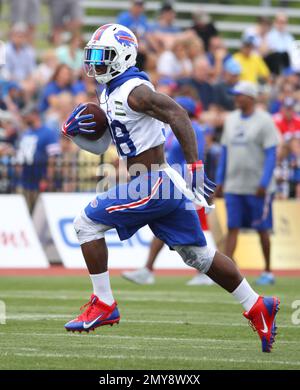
232	28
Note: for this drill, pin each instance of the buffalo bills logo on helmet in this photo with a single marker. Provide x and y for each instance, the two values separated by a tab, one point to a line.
125	38
94	203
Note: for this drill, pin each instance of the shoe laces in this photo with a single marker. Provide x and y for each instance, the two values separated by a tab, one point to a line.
252	326
90	305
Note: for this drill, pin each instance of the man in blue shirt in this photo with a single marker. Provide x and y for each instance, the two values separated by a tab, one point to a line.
20	61
200	82
135	19
62	81
38	145
166	20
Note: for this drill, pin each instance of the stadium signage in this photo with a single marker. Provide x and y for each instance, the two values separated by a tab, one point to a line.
19	244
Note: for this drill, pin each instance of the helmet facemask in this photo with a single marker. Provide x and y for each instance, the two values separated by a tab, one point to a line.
101	56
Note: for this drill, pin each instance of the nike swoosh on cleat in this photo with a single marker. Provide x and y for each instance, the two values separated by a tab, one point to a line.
265	329
88	325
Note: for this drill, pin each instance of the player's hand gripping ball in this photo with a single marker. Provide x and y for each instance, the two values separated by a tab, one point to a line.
87	120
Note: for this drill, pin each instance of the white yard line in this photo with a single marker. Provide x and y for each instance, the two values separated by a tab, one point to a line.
158	358
145	338
58	317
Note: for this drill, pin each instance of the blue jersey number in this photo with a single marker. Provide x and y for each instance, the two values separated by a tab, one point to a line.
123	141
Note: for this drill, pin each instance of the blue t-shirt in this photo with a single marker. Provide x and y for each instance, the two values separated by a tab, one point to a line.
35	147
165	29
212	59
138	25
204	90
53	89
173	148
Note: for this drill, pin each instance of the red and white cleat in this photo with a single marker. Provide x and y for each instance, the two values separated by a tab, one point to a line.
97	314
262	320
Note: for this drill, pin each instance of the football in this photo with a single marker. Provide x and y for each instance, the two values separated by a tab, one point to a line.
99	118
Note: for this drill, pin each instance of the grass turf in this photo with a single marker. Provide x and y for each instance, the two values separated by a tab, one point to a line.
165	326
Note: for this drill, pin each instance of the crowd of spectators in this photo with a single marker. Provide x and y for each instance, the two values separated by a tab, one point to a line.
38	89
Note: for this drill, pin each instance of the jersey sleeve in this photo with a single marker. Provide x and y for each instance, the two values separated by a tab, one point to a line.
128	87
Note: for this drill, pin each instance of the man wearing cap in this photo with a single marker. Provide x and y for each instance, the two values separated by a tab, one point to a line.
245	171
287	121
253	66
222	96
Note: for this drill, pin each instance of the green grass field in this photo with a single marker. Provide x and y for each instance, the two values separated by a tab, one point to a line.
165	326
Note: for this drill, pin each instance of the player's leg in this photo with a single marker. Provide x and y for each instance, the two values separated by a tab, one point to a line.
231	242
260	311
102	308
155	247
234	211
182	231
266	248
145	275
200	279
262	221
127	211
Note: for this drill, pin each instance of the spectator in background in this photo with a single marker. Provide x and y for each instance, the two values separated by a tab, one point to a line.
175	63
201	82
166	20
38	145
27	12
135	18
246	169
66	166
294	159
62	81
287	121
222	96
8	131
45	70
204	27
55	117
12	97
279	42
281	90
217	56
71	54
253	66
20	55
194	46
66	16
259	33
8	140
167	86
282	172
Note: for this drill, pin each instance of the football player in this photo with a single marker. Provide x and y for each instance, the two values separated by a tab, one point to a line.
137	118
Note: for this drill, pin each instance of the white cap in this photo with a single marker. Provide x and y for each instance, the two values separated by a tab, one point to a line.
245	88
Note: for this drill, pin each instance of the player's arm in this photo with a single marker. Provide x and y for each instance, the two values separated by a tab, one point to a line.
98	146
77	125
143	99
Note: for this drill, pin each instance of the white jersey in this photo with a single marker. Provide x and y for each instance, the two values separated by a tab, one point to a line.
131	131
